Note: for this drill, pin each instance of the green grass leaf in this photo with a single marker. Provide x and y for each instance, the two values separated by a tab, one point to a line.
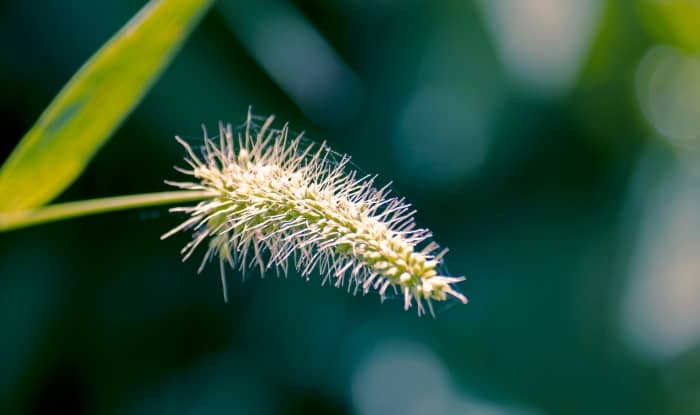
94	102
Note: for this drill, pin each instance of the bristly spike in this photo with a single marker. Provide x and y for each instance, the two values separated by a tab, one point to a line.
277	201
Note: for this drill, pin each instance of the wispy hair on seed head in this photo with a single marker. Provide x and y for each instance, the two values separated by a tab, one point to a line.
279	200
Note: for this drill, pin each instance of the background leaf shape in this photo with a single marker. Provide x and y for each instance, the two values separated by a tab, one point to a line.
94	102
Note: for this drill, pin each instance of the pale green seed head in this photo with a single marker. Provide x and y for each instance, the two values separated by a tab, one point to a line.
275	202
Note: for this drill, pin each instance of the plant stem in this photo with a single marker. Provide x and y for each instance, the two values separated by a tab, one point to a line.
15	220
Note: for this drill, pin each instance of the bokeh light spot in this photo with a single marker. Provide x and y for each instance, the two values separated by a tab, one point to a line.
662	299
668	89
407	378
542	43
441	136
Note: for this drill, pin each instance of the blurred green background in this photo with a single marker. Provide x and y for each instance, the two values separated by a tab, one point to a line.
552	145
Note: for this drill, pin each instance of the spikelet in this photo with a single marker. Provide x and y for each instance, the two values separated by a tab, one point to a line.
277	201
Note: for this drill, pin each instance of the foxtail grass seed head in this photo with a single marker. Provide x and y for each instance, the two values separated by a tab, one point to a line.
278	201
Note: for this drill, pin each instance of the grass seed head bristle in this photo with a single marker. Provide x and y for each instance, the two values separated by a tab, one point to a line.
278	201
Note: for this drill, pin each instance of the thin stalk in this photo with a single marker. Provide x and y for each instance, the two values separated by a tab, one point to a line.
61	211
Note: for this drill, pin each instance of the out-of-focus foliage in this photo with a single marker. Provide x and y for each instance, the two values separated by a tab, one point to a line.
95	101
553	146
674	22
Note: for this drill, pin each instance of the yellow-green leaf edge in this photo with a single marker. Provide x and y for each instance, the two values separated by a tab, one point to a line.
94	102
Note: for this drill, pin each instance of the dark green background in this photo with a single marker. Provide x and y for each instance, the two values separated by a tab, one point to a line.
99	316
